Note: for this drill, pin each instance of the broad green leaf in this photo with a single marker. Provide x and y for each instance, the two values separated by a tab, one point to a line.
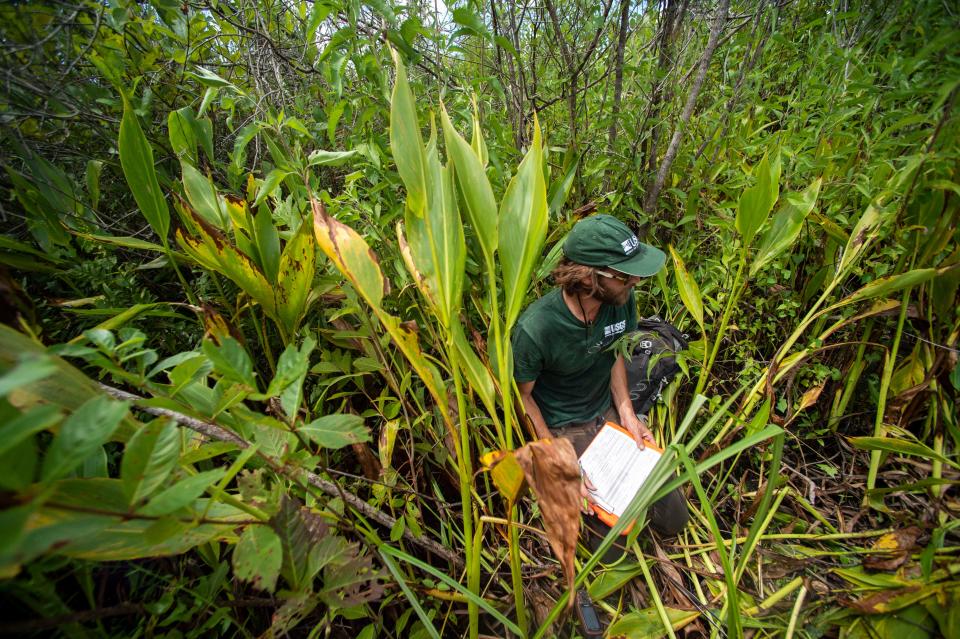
88	428
477	142
477	374
268	243
203	196
478	200
136	158
149	458
258	557
688	289
295	278
330	158
116	537
209	78
785	227
239	154
436	242
523	227
182	133
901	447
470	21
560	190
405	140
231	361
68	388
181	494
336	431
757	201
612	579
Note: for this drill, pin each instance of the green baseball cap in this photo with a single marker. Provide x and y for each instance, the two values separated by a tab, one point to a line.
603	240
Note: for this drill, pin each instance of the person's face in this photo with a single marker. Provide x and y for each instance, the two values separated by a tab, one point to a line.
614	287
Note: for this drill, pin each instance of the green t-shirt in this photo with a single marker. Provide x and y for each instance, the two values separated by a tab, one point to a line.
569	360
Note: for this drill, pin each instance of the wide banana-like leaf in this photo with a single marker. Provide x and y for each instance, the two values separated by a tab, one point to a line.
523	227
213	251
136	158
757	201
295	279
406	142
358	263
688	289
478	200
203	196
436	241
786	226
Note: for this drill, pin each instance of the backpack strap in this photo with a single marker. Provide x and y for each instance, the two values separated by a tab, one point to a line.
666	329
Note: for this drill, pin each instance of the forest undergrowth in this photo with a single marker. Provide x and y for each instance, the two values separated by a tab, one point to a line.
260	263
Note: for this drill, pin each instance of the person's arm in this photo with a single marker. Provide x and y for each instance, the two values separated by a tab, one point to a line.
621	402
530	406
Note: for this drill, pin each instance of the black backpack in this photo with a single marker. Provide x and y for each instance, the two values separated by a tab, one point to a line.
652	363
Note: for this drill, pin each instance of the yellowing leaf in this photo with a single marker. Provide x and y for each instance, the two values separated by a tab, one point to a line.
688	289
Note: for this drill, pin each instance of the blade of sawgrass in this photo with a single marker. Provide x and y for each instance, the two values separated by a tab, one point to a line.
657	601
726	453
761	520
732	603
476	599
879	428
411	597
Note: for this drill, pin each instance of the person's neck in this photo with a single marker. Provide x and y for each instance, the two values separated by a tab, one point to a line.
583	307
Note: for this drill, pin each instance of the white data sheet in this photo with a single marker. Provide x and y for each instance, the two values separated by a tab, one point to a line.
616	468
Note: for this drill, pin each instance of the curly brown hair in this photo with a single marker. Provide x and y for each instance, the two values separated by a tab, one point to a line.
569	276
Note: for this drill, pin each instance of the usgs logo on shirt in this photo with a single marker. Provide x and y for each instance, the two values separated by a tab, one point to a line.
614	329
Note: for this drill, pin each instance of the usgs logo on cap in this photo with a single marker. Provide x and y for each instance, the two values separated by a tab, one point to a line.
630	245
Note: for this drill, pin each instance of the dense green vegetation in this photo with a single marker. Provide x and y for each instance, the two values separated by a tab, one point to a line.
261	261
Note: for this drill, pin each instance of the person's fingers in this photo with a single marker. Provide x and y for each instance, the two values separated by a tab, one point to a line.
587	483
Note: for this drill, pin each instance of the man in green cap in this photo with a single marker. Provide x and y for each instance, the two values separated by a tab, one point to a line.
570	380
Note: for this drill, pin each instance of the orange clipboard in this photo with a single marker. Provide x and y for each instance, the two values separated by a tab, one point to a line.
603	515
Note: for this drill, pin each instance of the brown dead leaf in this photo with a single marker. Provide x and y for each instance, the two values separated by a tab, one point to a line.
897	545
551	470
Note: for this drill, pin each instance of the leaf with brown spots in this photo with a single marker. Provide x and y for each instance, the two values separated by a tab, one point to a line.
295	278
258	556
